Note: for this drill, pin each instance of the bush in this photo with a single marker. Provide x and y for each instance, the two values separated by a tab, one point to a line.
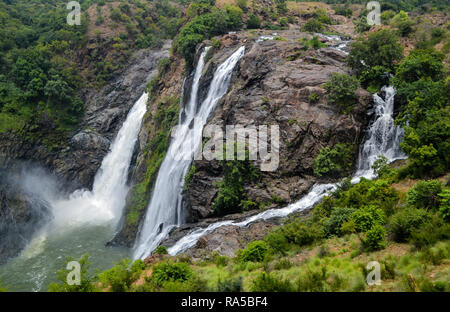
333	224
313	98
367	217
161	250
230	284
380	49
375	238
381	167
267	282
87	279
255	252
424	194
341	90
277	242
404	222
333	162
313	280
402	23
430	232
171	272
444	207
253	22
121	276
313	25
302	233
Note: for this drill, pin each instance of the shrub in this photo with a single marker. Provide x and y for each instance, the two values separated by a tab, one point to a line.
380	49
367	217
424	194
334	161
381	167
313	98
161	250
313	280
375	238
121	276
404	222
255	252
341	90
267	282
302	233
333	224
283	22
313	25
402	23
444	207
277	242
430	232
87	279
253	22
170	272
230	284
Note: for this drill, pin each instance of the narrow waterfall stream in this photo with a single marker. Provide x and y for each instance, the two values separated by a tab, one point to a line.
165	209
383	139
84	222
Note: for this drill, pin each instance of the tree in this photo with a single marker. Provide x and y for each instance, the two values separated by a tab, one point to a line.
334	161
380	49
341	90
402	23
253	22
87	279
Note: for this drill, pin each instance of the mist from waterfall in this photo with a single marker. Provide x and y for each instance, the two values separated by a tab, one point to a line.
83	222
165	210
383	139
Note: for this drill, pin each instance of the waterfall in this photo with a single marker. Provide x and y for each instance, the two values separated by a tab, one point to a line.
383	139
84	221
107	198
383	136
165	208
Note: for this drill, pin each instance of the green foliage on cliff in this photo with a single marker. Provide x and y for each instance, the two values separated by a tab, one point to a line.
154	153
333	162
231	196
213	22
380	49
425	113
341	90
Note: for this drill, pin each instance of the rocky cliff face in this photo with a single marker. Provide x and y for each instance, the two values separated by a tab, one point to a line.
272	85
22	214
77	162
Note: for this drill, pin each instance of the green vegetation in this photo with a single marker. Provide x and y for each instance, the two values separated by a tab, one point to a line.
381	49
87	279
121	276
341	90
231	196
211	23
334	161
165	118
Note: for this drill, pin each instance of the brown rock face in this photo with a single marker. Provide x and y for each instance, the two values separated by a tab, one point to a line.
272	85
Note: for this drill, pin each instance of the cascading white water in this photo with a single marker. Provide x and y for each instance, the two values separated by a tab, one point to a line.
384	139
383	136
85	221
107	198
165	208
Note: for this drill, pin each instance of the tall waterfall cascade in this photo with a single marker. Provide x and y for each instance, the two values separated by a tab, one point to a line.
383	139
165	210
84	221
107	198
